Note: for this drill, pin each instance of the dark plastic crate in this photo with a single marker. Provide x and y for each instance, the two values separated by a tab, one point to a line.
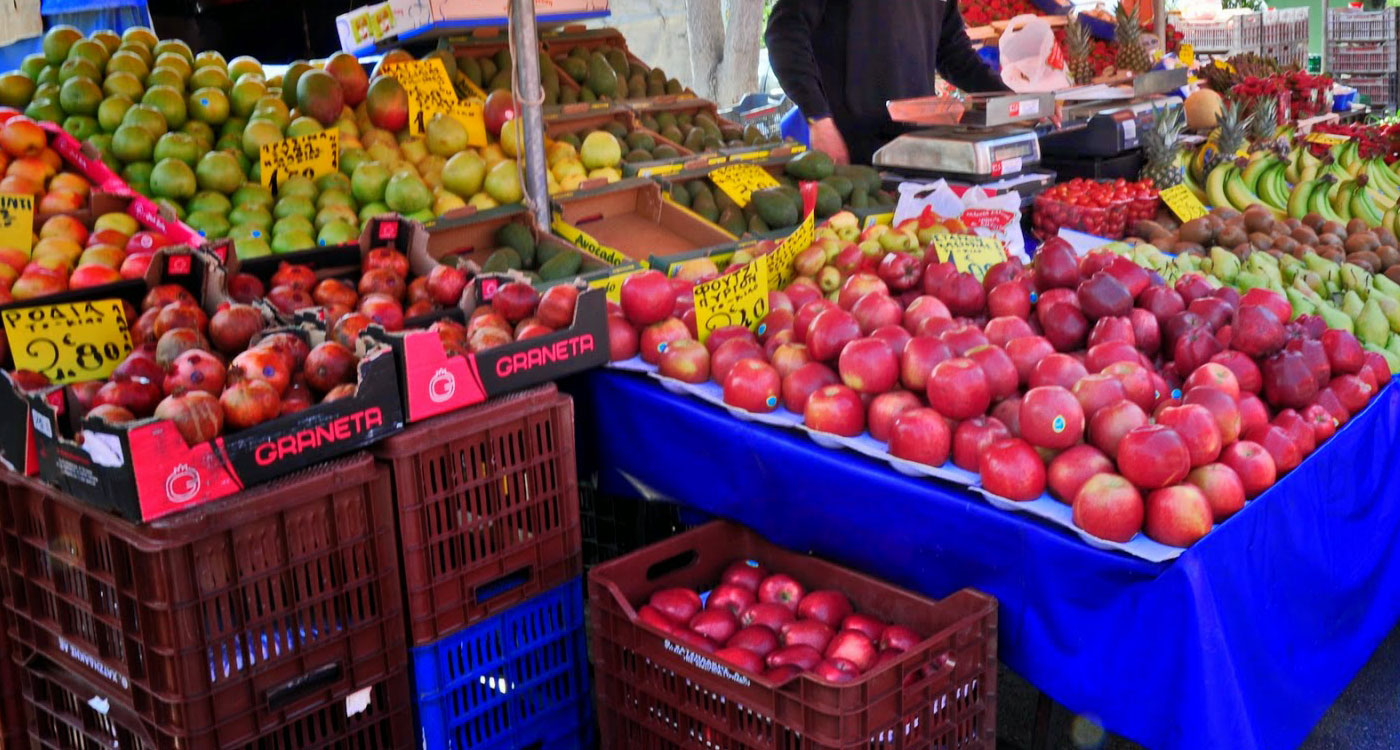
614	525
515	681
487	501
14	727
654	693
72	714
220	623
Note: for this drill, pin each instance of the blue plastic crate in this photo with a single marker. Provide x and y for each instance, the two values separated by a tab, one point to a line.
516	680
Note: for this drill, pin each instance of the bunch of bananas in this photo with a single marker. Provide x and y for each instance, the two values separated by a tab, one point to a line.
1344	295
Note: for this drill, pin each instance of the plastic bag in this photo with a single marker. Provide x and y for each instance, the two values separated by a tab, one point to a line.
1030	58
985	214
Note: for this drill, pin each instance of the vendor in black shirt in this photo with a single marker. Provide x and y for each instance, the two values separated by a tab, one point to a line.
841	60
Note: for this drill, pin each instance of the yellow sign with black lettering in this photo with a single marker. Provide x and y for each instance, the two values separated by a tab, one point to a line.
17	221
1326	139
613	284
429	91
1183	202
311	155
69	342
780	260
739	181
471	113
969	253
736	298
585	241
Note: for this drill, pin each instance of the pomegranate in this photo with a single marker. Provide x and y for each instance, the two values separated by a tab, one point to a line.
232	327
177	342
245	287
195	370
347	330
179	315
136	396
386	258
341	391
328	365
250	402
384	311
164	294
383	281
288	300
335	292
197	415
298	277
111	413
292	347
261	364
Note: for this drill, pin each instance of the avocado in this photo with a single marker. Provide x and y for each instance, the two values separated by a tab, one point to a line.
680	195
757	225
665	120
488	69
732	133
671	133
471	69
638	155
637	69
518	237
579	52
502	259
723	201
862	176
576	68
685	120
774	207
859	198
694	140
568	95
703	119
618	130
709	142
665	152
636	86
602	79
752	136
586	94
842	185
655	89
618	60
622	89
545	251
562	265
699	188
704	205
500	82
811	165
674	87
641	140
828	200
732	221
649	123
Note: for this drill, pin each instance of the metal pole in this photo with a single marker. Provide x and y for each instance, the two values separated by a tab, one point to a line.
531	98
1159	22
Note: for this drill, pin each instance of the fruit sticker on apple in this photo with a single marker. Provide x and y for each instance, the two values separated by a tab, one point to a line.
738	298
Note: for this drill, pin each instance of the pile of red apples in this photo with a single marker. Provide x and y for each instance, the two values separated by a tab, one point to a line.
770	625
1147	407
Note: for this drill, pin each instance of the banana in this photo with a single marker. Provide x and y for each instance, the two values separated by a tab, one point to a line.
1256	169
1239	194
1215	185
1273	189
1388	219
1349	157
1191	184
1299	200
1290	172
1362	207
1383	179
1318	203
1340	197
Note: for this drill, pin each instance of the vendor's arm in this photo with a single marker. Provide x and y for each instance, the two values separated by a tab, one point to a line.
791	27
957	61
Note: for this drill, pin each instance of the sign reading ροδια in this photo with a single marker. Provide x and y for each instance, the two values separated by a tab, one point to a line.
69	342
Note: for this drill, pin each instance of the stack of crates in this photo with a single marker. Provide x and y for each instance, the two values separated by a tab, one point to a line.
1285	36
270	619
1234	32
1361	53
487	505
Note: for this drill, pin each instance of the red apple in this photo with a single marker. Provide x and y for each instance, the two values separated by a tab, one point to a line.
864	624
1256	330
731	596
1147	332
1065	326
1153	456
676	603
1051	417
1011	299
920	356
1275	302
752	385
652	616
898	638
768	615
1378	367
1177	516
780	588
1279	444
868	365
1214	375
1299	429
622	339
801	384
963	338
1112	329
1252	464
1071	469
1003	330
724	334
1012	469
901	271
647	298
896	337
885	408
853	646
1222	489
1055	265
829	332
958	389
920	435
685	360
858	285
730	353
1352	391
1109	424
1057	369
742	658
657	336
1097	391
1323	424
825	606
1027	352
836	671
786	358
836	409
1288	380
924	308
1109	507
973	436
719	625
876	310
1163	302
801	656
1198	429
745	574
1102	295
996	365
1247	375
1137	382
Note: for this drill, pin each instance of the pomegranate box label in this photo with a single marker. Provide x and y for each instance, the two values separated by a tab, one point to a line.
434	382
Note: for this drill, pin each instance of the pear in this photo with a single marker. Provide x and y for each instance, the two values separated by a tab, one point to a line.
1352	305
1246	280
1357	279
1333	317
1393	346
1390	308
1224	264
1383	284
1301	305
1372	326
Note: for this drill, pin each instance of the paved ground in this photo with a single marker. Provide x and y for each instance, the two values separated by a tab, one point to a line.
1365	717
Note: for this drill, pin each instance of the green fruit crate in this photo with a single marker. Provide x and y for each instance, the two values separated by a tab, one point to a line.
654	692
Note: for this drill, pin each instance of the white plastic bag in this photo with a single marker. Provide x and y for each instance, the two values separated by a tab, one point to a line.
997	216
1030	59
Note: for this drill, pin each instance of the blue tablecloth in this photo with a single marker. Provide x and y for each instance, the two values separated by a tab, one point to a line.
1241	643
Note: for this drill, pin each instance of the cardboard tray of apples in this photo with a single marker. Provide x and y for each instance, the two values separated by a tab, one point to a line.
176	424
815	648
1031	379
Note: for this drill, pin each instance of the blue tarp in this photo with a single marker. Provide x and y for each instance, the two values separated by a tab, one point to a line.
1242	642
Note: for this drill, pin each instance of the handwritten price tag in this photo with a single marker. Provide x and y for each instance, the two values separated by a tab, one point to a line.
739	181
69	342
1183	202
969	253
471	113
738	298
429	90
310	155
16	221
780	260
1326	139
585	241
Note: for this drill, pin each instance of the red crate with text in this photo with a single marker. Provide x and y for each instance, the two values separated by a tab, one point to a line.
439	376
214	627
655	692
487	499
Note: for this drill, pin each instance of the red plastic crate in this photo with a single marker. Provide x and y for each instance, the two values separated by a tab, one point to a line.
654	693
72	713
487	499
218	624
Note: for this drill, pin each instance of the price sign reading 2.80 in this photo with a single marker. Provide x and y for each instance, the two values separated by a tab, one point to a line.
69	342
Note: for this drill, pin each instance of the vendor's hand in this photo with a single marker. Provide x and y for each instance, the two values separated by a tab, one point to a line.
826	138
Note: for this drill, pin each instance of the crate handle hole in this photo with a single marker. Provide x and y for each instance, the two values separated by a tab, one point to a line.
671	564
506	583
297	688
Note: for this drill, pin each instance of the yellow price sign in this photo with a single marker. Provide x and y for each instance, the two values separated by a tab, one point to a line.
586	242
739	181
69	342
613	284
780	260
1183	202
969	253
1326	139
736	298
429	90
1187	55
471	113
311	155
17	221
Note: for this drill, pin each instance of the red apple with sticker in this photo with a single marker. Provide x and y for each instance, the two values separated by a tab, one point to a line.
753	385
685	360
1051	417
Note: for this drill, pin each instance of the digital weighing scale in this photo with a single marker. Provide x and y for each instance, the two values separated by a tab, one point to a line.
1111	126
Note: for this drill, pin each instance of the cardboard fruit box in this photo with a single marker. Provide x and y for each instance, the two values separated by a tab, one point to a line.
434	382
144	469
581	118
630	220
468	239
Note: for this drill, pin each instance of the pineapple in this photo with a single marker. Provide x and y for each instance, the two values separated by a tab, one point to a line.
1080	44
1128	36
1265	119
1162	146
1229	135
